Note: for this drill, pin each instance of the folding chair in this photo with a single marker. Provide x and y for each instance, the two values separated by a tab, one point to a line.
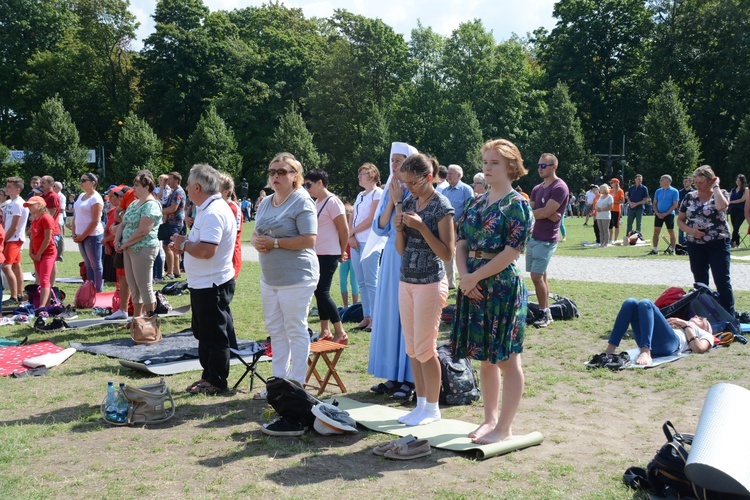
257	351
321	349
745	241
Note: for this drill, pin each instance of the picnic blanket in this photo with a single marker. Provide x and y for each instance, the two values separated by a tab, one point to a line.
11	358
173	347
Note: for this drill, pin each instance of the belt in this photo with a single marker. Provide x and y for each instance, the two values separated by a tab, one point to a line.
478	254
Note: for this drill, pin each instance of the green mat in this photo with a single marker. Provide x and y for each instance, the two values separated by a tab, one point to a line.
445	434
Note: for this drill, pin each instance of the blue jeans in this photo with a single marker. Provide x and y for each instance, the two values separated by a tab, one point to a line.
715	255
650	327
158	266
91	251
366	271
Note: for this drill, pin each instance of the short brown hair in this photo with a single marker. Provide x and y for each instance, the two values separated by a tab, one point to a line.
146	179
705	171
15	180
176	175
510	152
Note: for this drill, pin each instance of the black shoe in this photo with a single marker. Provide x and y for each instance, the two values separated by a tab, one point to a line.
39	324
600	360
619	361
283	427
56	325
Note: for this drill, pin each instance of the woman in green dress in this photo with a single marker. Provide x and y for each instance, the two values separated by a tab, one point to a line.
491	305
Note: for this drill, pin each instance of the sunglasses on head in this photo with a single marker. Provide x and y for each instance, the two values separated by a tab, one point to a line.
280	171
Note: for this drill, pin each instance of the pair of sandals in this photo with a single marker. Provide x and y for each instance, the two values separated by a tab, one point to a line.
403	391
203	387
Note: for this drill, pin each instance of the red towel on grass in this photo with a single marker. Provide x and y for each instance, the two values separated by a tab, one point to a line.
11	358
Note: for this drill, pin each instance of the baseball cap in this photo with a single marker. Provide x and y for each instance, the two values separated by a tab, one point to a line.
35	200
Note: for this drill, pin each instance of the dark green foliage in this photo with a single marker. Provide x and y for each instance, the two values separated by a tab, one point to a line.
212	142
292	136
137	148
669	144
52	146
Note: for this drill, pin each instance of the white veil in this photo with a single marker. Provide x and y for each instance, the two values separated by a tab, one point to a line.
375	242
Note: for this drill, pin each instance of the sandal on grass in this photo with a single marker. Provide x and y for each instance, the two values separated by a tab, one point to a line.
386	387
406	391
194	384
206	388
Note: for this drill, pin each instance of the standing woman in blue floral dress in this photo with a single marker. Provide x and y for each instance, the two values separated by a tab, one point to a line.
491	305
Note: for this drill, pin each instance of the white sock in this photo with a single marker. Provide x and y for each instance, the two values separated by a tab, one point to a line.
430	413
421	402
656	249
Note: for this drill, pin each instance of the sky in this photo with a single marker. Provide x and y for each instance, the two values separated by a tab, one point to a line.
502	17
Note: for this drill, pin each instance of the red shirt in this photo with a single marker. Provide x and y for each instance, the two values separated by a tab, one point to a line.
38	226
53	207
110	222
237	256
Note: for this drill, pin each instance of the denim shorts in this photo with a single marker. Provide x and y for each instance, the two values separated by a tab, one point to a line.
538	255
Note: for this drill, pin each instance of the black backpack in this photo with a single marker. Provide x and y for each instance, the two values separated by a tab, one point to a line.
459	379
563	308
162	304
701	301
666	472
353	313
291	401
175	288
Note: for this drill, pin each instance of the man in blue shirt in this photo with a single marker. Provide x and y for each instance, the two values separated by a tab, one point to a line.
637	199
666	200
458	193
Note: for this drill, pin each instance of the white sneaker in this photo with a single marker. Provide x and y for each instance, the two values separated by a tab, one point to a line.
117	315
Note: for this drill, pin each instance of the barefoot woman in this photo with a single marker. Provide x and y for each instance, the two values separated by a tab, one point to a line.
491	303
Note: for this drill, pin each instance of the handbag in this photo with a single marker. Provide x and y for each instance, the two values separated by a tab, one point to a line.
146	329
146	404
118	260
163	232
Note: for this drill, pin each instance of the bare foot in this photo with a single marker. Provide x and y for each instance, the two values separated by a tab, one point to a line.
494	436
482	429
643	359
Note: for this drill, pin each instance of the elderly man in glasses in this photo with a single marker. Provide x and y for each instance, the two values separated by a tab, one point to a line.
548	200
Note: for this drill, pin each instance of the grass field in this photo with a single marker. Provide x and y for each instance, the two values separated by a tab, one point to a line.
595	423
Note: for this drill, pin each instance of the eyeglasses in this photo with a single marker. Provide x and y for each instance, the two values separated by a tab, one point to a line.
280	171
544	165
308	185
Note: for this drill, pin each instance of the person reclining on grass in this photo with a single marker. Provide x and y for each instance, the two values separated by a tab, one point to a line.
654	334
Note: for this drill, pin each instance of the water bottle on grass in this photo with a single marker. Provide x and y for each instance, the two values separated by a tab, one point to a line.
110	411
122	405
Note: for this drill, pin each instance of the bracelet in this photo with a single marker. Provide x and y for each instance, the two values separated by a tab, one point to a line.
397	203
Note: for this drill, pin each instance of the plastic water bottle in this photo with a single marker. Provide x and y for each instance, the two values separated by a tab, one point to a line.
110	411
122	405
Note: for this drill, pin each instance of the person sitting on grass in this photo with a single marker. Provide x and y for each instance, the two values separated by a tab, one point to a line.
655	335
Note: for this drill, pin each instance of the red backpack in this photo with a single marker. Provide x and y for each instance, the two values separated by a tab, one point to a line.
86	295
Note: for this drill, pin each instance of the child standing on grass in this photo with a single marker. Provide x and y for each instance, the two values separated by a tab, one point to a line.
425	240
42	249
604	214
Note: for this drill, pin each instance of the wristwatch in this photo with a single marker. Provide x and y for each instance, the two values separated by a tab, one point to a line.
182	245
276	243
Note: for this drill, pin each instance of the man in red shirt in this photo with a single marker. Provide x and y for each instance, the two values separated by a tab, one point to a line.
52	199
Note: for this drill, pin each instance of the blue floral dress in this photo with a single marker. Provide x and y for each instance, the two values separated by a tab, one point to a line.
493	327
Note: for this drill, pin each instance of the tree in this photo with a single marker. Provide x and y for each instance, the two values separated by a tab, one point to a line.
26	28
212	142
463	139
95	55
52	144
137	148
292	136
669	144
598	48
562	136
740	150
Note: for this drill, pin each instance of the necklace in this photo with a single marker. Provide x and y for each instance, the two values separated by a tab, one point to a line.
273	201
425	202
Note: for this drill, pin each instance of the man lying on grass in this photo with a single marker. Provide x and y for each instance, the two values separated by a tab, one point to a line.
654	334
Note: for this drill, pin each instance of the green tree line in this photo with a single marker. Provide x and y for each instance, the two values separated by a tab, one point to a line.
233	88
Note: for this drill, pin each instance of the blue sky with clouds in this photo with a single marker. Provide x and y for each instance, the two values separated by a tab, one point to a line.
502	17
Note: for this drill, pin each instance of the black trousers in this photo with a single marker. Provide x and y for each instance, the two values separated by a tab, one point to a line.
213	326
326	307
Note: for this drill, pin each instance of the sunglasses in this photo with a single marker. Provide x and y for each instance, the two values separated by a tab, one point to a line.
281	172
85	180
544	165
308	185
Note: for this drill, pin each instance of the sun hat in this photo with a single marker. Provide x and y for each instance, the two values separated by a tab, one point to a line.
35	200
332	418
